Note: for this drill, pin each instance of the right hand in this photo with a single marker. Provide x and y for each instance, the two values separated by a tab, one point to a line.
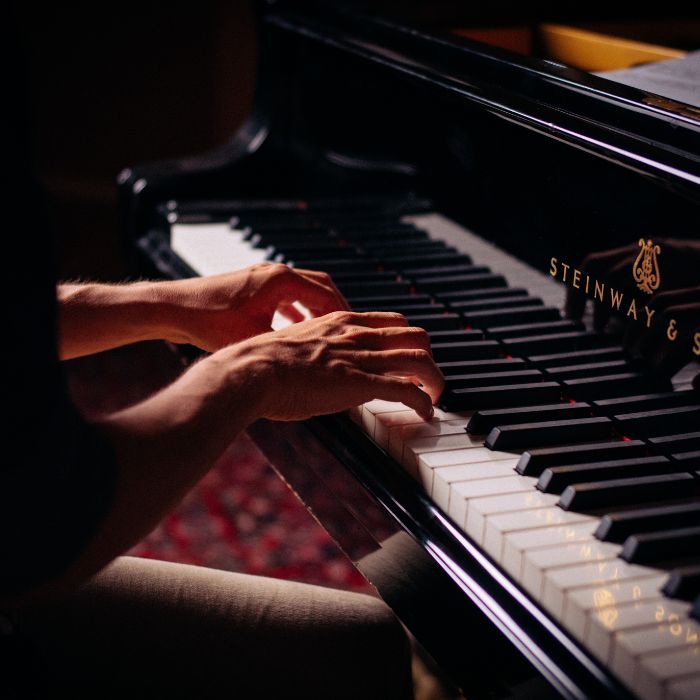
340	360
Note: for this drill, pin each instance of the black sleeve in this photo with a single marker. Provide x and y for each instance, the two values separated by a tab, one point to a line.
57	474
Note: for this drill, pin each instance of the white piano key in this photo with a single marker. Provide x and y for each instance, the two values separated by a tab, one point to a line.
658	671
558	583
444	477
481	508
500	526
433	460
582	602
515	544
392	424
686	689
372	409
536	562
630	646
606	622
211	249
464	492
413	449
402	433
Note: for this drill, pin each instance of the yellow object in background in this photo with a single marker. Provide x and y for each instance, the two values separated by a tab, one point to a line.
593	52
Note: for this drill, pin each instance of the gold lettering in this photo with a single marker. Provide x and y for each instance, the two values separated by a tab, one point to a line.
671	331
650	313
696	346
553	267
588	281
599	291
565	267
632	310
615	298
577	279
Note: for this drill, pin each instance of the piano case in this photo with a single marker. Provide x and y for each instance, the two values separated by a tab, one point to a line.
540	159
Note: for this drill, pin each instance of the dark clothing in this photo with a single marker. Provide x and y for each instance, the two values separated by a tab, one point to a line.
57	473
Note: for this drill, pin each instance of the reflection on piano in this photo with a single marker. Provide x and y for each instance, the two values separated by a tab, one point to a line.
547	520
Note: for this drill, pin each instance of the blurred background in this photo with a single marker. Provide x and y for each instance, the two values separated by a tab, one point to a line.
109	85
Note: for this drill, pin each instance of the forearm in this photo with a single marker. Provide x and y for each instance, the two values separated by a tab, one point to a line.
97	317
163	446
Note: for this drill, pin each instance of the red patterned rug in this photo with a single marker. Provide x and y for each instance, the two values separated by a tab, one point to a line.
240	517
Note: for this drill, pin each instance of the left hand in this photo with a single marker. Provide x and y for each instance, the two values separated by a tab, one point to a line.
213	312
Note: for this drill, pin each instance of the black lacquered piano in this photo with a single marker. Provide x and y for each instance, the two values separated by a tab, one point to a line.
542	532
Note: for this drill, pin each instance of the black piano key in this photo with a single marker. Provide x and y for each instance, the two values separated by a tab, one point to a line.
435	321
531	329
617	527
349	277
358	237
331	254
465	350
459	335
611	385
377	302
617	493
490	303
357	288
460	381
451	269
482	422
500	396
559	342
534	461
690	459
404	308
574	357
658	422
283	239
550	432
408	260
678	442
664	399
473	366
683	582
319	248
388	249
484	295
587	370
667	545
337	265
510	314
459	282
556	479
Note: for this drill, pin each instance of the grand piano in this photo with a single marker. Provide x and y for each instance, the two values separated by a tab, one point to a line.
540	534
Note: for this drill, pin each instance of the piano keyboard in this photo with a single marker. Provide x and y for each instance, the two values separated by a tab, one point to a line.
567	462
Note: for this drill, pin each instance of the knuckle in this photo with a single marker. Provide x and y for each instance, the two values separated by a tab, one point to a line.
422	356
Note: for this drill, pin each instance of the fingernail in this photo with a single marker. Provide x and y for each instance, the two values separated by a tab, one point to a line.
430	414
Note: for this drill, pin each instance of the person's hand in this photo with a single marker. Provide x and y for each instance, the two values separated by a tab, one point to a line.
212	312
340	360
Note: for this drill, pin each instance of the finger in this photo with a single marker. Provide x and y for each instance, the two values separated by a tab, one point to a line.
291	313
375	319
416	364
289	286
393	338
325	279
403	391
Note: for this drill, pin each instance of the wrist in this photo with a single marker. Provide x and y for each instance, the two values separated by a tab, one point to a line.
250	374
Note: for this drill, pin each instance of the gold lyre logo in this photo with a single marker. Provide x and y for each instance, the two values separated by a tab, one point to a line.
646	267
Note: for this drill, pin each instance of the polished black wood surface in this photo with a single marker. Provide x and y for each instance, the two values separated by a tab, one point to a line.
539	158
